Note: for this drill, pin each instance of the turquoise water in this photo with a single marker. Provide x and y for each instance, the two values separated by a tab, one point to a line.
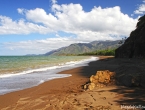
16	64
21	72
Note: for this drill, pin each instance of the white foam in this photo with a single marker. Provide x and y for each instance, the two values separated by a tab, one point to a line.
4	91
20	81
67	64
41	81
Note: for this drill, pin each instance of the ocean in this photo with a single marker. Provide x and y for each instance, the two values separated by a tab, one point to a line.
21	72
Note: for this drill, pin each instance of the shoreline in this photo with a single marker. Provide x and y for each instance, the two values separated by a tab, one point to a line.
67	93
23	80
51	67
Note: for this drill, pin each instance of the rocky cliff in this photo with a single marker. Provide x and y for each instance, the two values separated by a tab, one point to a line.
134	45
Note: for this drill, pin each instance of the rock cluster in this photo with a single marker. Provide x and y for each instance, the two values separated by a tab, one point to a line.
101	79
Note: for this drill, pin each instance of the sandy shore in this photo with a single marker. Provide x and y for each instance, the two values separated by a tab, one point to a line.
67	93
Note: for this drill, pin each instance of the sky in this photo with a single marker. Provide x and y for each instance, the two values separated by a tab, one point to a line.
39	26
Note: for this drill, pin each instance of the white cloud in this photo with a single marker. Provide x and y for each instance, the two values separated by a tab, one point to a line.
8	26
97	24
20	10
38	46
140	9
39	15
71	18
54	1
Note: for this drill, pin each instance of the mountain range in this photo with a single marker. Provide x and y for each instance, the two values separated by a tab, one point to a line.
79	48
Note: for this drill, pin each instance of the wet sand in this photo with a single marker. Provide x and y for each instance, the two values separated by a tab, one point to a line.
67	93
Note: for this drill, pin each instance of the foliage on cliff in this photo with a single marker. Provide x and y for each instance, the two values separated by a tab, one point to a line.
106	52
134	45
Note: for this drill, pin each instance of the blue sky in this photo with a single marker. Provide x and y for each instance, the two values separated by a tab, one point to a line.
39	26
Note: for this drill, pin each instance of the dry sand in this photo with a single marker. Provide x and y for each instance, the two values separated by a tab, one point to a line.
67	93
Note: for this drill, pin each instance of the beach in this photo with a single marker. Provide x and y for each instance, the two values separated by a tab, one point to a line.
68	93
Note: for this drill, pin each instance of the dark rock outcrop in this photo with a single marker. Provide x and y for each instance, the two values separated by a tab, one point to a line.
131	80
134	45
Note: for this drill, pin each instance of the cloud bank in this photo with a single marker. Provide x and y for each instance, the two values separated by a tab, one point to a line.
70	18
97	24
141	9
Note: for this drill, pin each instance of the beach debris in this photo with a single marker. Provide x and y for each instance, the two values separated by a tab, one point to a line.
101	79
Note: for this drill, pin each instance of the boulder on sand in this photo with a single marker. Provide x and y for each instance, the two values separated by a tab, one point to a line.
101	77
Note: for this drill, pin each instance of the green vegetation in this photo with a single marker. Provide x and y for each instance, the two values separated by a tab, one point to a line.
106	52
79	48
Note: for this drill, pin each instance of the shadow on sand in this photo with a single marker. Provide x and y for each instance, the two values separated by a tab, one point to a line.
127	95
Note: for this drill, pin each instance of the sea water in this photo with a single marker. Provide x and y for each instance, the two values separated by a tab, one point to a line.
21	72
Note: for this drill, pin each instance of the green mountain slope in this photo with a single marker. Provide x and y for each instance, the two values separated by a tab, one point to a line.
79	48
